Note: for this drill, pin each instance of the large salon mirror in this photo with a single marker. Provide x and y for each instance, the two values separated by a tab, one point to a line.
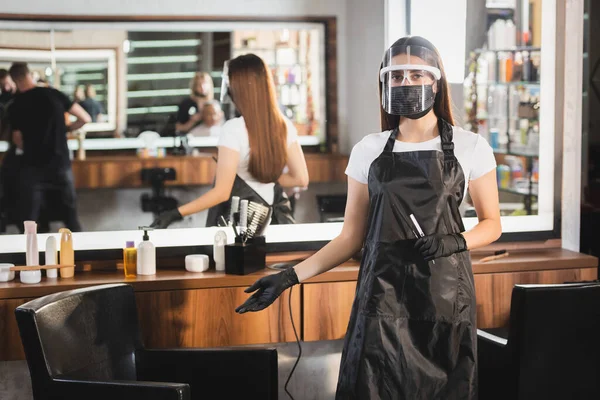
155	62
143	75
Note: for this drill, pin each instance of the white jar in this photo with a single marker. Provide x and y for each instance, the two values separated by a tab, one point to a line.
34	276
196	262
5	273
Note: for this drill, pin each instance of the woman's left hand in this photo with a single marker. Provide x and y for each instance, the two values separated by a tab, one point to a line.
440	245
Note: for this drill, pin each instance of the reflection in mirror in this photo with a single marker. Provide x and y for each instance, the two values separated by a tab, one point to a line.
503	94
66	61
155	64
88	83
171	75
154	99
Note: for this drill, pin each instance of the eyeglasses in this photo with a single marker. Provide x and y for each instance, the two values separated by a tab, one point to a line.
405	77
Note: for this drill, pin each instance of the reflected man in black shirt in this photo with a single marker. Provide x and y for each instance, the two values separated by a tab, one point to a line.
7	88
38	127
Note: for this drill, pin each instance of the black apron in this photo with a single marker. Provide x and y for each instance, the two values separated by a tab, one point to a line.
281	207
412	332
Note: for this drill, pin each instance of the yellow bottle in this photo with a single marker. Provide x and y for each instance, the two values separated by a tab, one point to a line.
67	255
130	260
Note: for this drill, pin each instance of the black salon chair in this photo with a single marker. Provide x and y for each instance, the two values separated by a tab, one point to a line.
551	349
85	344
158	201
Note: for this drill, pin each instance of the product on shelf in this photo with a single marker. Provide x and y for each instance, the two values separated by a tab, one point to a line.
516	167
503	176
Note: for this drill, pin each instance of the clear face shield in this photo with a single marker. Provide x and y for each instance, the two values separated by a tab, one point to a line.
225	97
408	78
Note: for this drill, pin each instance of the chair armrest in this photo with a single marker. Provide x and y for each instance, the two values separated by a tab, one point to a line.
214	373
493	340
493	366
67	389
492	351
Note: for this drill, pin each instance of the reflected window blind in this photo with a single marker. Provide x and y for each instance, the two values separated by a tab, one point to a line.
160	66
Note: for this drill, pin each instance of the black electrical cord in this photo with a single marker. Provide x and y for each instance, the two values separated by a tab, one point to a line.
299	348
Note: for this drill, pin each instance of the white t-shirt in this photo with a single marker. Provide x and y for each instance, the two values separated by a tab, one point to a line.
472	151
205	130
234	135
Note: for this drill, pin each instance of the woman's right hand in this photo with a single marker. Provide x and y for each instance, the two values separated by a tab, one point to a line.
166	218
269	289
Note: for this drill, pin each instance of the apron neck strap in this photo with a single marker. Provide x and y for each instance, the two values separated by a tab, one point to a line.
389	146
445	130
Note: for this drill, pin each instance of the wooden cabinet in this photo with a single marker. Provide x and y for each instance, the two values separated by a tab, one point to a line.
327	308
494	291
206	318
182	309
10	339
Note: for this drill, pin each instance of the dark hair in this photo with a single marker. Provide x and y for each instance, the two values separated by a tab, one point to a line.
442	106
18	71
3	73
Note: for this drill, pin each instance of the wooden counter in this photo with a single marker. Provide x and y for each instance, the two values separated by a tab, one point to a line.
184	309
124	171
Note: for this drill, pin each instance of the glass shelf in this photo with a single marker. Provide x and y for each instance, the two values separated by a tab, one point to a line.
516	153
519	83
514	50
520	192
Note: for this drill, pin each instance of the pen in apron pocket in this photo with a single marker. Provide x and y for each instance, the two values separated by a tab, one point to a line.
414	220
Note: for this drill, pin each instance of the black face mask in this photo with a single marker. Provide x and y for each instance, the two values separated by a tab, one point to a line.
413	102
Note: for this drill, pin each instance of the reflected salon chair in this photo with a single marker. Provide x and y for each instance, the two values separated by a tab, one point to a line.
86	344
331	207
551	349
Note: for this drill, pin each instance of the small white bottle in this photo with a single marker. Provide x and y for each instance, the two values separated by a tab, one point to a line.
31	255
51	258
219	250
146	255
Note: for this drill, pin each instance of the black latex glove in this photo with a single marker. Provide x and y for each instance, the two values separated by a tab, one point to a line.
269	289
166	218
439	245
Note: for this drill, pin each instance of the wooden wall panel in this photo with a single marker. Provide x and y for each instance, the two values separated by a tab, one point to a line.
327	308
331	80
10	341
494	291
206	318
125	171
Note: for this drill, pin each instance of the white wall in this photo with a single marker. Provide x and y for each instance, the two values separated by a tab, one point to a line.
366	38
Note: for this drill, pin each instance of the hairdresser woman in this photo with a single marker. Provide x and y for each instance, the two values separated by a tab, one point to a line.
253	149
412	332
